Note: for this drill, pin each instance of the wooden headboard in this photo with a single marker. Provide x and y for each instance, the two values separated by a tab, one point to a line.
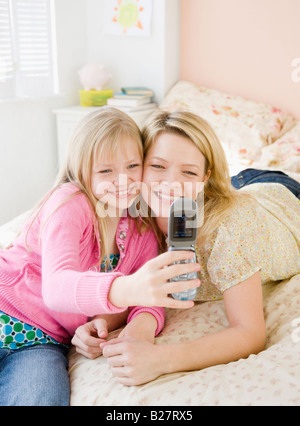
244	48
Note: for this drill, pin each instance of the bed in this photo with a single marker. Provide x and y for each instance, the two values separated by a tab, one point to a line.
253	135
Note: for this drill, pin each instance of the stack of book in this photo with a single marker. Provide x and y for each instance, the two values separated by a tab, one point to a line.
133	99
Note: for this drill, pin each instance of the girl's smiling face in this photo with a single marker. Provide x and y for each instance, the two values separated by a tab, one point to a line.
174	167
116	179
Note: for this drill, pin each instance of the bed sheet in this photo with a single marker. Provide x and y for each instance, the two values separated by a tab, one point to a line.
269	378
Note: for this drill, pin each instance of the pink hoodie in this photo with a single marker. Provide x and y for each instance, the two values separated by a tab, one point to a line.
52	283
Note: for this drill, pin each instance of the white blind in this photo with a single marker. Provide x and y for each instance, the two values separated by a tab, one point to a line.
29	47
6	51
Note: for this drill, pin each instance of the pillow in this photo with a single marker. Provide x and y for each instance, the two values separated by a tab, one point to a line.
243	126
10	230
284	153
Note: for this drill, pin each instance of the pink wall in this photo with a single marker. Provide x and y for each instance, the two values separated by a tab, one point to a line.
243	47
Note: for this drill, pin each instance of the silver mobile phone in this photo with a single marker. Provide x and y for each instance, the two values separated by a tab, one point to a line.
183	231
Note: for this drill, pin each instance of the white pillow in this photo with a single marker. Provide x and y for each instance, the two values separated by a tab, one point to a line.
10	230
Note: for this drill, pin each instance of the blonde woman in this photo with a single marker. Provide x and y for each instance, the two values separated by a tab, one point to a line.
60	271
248	237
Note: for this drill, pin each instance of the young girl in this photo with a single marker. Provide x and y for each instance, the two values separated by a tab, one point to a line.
247	239
60	270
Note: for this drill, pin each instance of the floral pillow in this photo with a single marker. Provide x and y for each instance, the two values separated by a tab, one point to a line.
284	153
244	126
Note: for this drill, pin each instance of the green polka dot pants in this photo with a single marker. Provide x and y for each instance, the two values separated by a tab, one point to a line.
15	334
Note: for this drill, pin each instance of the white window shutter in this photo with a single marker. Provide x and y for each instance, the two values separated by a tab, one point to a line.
6	51
34	73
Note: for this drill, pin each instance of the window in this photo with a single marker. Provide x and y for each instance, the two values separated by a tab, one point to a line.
26	48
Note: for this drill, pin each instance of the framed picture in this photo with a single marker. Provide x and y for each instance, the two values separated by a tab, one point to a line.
128	17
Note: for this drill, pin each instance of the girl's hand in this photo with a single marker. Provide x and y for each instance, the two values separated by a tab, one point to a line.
142	327
133	361
88	337
150	285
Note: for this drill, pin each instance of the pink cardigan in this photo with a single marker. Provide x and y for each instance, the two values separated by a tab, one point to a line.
52	283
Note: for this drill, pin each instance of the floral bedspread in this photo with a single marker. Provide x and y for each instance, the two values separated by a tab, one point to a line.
252	134
283	153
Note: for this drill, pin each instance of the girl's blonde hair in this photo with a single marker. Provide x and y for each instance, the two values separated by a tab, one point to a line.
219	195
101	131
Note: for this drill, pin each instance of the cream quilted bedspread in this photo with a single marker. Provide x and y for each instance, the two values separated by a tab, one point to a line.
270	378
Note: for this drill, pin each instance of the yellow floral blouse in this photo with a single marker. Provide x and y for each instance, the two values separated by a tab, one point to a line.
262	236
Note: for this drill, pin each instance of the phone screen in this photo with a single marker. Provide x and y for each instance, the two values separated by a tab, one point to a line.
181	229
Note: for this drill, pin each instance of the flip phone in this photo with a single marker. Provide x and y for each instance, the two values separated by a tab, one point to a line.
183	231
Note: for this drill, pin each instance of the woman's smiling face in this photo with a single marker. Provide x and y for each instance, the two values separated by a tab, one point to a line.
174	167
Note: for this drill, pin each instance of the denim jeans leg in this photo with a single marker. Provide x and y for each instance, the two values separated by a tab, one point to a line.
35	376
251	176
3	354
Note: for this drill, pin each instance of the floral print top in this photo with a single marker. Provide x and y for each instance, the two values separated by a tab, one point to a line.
262	236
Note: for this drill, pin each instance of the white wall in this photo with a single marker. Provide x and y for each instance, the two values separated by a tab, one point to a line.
148	61
28	152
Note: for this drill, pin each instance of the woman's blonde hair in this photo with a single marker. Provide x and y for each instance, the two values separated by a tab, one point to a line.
101	131
219	195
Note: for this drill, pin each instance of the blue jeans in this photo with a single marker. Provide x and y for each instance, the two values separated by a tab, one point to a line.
34	376
250	176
